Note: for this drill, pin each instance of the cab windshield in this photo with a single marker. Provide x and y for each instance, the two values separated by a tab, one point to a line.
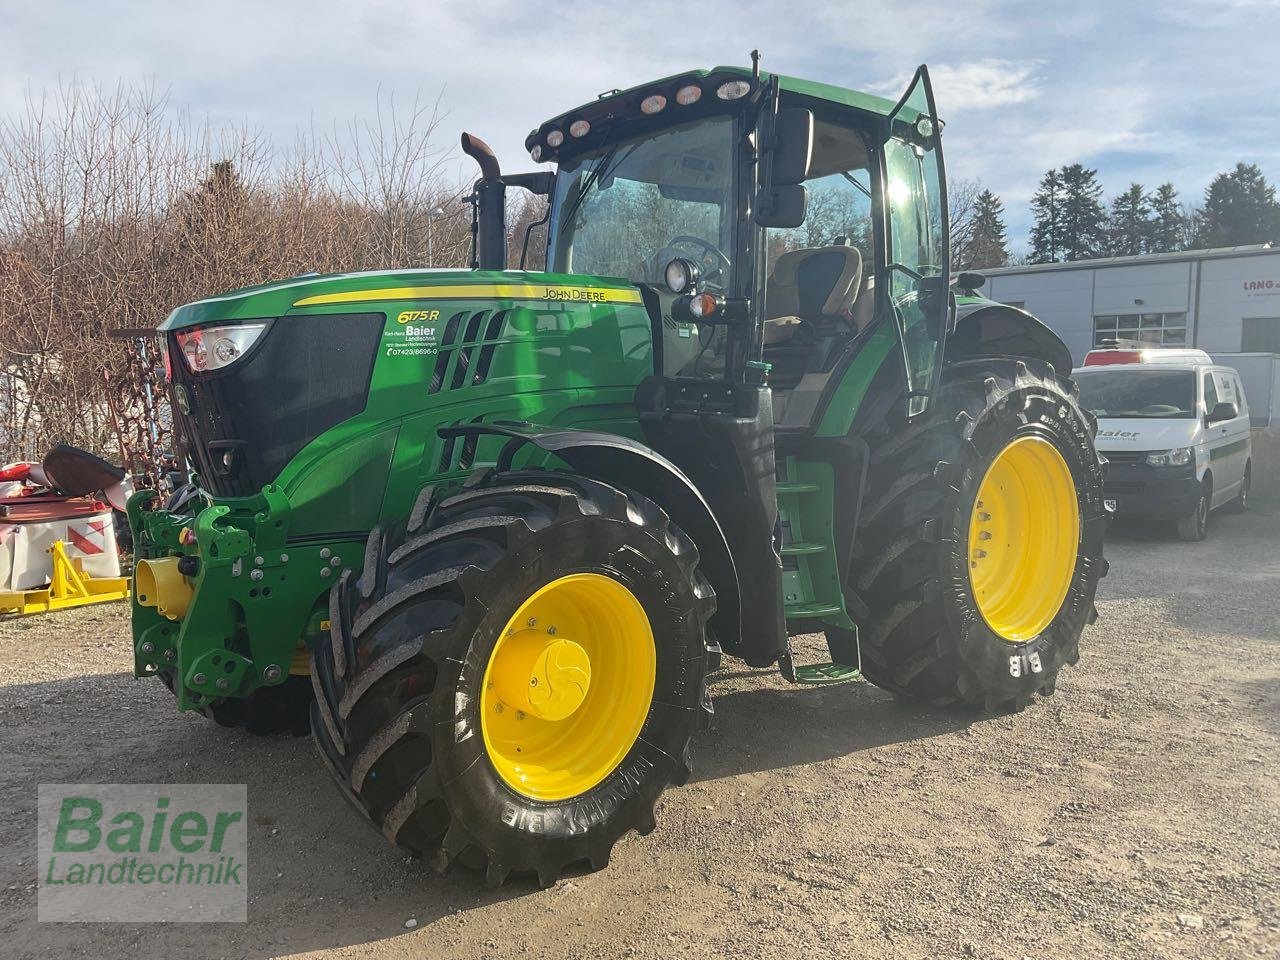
1159	394
630	208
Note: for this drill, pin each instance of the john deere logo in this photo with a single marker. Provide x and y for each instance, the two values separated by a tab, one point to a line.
420	316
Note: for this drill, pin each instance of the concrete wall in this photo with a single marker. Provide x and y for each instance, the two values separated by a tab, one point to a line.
1231	290
1162	288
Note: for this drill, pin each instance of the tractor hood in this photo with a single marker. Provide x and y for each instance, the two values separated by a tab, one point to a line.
279	382
317	291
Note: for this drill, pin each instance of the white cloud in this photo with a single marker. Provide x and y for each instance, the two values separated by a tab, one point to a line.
981	85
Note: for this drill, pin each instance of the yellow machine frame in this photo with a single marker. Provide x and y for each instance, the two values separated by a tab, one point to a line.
69	587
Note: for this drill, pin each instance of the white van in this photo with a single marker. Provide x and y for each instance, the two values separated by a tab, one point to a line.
1174	427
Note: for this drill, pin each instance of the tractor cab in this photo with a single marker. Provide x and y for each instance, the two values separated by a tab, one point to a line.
759	213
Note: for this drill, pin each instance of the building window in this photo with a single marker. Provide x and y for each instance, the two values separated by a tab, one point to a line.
1158	329
1260	335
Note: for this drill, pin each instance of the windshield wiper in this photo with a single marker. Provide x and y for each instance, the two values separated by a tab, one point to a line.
599	169
848	176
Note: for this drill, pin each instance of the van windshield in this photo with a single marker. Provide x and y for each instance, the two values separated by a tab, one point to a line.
1159	394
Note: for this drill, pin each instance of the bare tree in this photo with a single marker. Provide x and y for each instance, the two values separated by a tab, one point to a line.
114	208
962	210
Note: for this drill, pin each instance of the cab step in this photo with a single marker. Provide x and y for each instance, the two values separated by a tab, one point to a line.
821	674
811	611
802	548
795	486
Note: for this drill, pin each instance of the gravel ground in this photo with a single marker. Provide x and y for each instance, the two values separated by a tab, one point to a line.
1132	815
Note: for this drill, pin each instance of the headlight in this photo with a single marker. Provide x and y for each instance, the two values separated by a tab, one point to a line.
212	348
681	275
1172	458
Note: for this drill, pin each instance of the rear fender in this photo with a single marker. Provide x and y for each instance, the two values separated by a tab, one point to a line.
631	465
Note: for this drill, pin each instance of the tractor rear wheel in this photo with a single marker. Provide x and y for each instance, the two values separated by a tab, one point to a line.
980	539
513	681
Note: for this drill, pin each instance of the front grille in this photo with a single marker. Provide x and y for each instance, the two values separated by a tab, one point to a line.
243	424
1125	456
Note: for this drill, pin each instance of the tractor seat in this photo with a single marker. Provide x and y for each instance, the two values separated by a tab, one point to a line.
816	285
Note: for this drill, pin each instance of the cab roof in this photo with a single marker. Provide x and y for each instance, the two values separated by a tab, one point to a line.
618	104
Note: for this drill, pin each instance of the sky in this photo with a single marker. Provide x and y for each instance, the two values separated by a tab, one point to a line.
1176	90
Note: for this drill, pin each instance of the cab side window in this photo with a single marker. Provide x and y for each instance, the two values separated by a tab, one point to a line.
820	270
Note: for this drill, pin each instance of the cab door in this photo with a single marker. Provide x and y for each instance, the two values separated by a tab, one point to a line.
918	241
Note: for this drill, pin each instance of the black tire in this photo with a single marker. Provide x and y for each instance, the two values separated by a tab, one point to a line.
922	633
1241	503
396	716
267	712
1195	526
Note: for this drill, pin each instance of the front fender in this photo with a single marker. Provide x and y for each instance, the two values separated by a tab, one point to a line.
990	329
630	464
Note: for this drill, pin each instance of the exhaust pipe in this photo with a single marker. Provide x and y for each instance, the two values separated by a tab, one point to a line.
159	584
489	217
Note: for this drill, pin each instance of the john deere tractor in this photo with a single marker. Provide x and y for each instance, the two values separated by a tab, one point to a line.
485	532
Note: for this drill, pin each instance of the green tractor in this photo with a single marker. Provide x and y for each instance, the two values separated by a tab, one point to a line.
485	533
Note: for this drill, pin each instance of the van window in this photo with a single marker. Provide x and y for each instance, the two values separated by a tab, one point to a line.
1150	392
1210	393
1240	398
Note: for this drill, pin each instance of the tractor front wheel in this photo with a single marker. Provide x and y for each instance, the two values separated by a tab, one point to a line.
514	681
980	541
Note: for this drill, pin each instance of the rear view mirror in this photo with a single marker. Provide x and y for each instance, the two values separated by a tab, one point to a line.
793	153
1223	410
782	206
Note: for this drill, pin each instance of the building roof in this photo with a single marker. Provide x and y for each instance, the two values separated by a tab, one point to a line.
1177	256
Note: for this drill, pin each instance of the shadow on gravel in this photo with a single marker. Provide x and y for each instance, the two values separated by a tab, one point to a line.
768	728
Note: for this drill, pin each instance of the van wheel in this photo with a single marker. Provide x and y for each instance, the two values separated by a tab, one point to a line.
1241	503
1196	525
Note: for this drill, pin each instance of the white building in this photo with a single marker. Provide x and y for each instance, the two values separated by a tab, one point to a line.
1224	301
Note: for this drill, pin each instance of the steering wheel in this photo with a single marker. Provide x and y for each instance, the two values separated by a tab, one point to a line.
713	262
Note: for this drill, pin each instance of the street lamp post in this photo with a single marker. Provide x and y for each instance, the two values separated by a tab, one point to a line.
431	216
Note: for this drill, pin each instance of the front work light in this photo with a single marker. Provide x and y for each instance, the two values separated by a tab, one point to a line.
654	103
536	153
686	96
733	90
681	275
212	348
555	138
1179	457
579	128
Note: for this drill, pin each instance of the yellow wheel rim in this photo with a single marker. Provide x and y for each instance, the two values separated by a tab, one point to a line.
1023	538
568	686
